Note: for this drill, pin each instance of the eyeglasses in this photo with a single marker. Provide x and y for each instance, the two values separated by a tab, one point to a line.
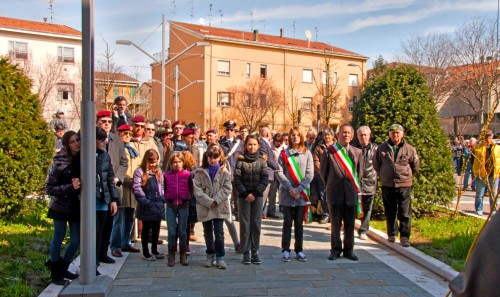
150	129
229	129
128	133
203	138
140	126
106	121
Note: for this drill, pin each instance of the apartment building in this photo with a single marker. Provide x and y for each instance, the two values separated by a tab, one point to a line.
50	55
218	74
109	85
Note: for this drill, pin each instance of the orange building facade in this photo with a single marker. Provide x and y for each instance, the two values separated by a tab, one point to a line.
212	62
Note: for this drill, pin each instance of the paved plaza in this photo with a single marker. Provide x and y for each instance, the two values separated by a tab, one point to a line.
379	271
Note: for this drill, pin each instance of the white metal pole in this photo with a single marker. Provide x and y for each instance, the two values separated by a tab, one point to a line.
163	69
176	73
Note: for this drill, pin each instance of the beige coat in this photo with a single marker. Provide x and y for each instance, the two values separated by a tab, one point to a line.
141	147
206	193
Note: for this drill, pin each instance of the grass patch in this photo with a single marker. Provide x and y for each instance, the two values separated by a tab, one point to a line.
443	236
24	248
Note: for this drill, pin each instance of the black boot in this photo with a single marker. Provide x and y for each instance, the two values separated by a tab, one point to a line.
56	273
66	273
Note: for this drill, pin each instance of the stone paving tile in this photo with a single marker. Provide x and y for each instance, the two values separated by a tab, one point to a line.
368	277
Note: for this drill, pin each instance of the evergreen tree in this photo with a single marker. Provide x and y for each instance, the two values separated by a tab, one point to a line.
402	96
26	143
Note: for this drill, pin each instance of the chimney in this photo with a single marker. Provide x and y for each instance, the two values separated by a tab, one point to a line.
255	35
44	20
281	32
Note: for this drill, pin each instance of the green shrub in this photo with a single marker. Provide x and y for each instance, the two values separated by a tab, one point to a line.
26	143
401	96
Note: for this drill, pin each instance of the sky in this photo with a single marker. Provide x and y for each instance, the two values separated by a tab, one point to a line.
367	27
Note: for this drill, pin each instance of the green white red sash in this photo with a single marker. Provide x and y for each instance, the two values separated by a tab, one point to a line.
341	155
297	177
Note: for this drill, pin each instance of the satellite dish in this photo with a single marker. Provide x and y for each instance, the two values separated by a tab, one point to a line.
201	21
308	36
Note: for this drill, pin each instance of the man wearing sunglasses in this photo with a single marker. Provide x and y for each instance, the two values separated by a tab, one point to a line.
151	130
115	148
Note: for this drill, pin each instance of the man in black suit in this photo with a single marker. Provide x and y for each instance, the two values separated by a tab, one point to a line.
120	114
342	190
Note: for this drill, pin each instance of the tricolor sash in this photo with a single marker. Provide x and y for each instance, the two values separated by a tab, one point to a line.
297	177
341	155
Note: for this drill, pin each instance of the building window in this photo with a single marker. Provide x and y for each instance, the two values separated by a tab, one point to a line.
248	100
335	78
353	80
224	98
324	77
263	100
65	54
133	92
18	50
307	76
307	103
263	71
247	71
223	68
65	91
115	91
351	104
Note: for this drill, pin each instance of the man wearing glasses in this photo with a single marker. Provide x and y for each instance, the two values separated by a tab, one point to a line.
150	130
120	114
115	148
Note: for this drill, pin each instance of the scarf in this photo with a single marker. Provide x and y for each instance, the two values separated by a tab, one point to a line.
133	153
212	170
252	157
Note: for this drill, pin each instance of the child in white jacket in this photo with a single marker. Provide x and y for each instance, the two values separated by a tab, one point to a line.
212	187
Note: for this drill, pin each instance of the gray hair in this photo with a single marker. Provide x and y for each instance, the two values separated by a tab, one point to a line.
362	128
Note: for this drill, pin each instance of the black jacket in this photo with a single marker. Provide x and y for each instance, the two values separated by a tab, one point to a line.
64	199
250	176
368	182
105	188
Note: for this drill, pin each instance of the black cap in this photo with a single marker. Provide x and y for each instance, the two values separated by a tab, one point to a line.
193	126
100	133
59	127
229	124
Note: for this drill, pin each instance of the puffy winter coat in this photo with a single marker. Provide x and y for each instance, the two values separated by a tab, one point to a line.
207	192
64	199
150	200
250	175
177	187
105	188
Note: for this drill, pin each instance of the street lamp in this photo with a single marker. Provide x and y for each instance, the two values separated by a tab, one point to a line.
162	62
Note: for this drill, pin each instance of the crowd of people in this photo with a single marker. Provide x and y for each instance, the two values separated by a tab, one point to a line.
479	165
149	171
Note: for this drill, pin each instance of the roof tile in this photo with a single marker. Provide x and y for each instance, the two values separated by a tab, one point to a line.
37	26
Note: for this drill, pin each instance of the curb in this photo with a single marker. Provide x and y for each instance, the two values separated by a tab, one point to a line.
443	270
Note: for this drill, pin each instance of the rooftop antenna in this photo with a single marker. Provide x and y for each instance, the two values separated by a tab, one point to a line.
192	10
293	27
316	30
221	15
51	8
308	36
210	15
251	20
173	4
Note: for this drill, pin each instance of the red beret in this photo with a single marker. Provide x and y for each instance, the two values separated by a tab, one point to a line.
138	119
177	123
103	114
212	131
125	127
187	132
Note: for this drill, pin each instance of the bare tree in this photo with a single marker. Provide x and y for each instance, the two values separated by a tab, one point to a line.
431	54
108	71
45	77
328	94
275	102
252	100
293	103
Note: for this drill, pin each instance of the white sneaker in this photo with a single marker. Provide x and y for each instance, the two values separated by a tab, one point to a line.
286	256
363	236
301	257
479	213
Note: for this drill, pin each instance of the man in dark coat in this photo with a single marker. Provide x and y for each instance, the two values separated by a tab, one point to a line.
120	114
342	191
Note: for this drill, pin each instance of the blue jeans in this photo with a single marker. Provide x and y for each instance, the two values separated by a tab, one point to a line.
211	228
468	173
177	216
58	237
481	187
123	221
